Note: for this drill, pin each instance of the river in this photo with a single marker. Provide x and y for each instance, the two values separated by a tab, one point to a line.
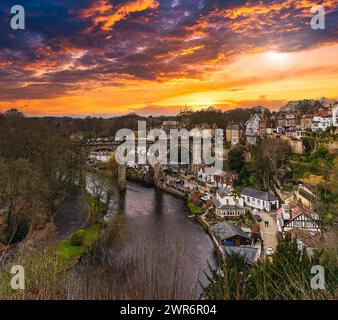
150	250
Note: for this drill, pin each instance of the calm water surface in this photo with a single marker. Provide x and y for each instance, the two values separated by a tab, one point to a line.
151	248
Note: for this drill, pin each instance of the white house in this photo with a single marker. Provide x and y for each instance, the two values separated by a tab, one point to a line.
321	123
335	115
259	199
252	128
228	204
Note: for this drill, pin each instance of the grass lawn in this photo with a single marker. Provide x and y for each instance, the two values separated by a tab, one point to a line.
195	209
96	205
67	252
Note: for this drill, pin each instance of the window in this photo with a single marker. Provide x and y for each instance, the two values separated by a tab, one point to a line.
298	224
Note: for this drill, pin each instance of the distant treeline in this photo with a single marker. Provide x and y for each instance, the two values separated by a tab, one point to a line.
221	118
92	127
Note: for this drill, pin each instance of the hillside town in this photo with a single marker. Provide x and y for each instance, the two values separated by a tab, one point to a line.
238	217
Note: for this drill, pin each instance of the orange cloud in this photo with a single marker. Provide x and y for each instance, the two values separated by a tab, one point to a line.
100	6
108	15
192	50
260	17
219	58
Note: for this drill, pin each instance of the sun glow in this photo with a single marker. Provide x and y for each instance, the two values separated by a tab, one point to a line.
277	57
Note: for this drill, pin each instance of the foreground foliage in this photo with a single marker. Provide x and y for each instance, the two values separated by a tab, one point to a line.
286	277
38	166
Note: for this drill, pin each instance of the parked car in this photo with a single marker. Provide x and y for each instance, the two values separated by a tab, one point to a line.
178	180
258	218
269	251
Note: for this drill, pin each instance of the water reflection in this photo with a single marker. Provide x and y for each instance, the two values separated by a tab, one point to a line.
151	247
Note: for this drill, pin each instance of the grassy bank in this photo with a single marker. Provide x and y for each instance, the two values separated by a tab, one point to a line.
67	251
194	209
83	241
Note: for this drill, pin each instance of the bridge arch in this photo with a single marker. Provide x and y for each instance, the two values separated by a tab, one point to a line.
102	149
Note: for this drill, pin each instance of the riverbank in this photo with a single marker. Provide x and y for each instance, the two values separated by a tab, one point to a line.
50	253
171	190
144	179
218	249
198	214
84	239
72	214
147	223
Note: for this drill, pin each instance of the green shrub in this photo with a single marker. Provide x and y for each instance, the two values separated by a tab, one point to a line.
77	238
236	159
67	251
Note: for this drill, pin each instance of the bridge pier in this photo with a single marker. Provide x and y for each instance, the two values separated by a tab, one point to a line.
157	174
122	177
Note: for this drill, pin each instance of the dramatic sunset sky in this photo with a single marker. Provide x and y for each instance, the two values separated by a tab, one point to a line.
112	57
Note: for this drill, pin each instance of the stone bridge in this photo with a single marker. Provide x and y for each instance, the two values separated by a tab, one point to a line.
109	144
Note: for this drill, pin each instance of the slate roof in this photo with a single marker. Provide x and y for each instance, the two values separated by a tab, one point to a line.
225	230
218	205
310	197
262	195
212	171
222	192
249	253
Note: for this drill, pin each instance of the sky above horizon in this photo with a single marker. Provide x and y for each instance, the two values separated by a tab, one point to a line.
112	57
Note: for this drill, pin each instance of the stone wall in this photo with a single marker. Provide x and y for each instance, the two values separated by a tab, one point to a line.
173	191
218	248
